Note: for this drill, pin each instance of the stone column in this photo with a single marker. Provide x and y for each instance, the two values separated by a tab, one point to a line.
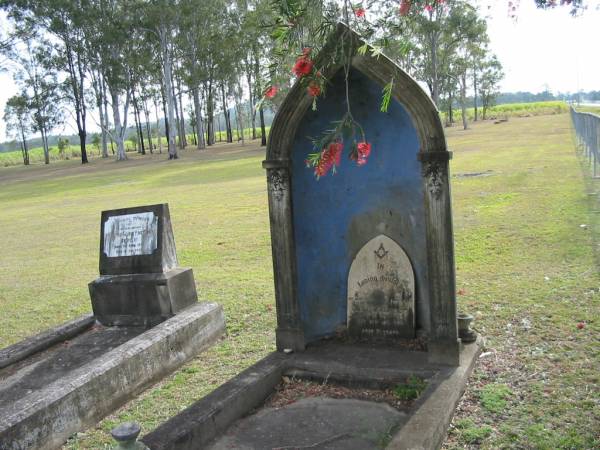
443	345
289	331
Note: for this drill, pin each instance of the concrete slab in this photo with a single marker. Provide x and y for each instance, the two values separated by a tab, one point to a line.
75	390
319	423
44	340
58	362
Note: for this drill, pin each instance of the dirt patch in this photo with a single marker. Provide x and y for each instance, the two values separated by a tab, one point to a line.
290	390
487	173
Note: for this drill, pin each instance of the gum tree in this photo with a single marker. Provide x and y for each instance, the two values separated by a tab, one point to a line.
18	121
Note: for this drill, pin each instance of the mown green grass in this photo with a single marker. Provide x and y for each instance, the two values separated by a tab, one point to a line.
590	109
524	263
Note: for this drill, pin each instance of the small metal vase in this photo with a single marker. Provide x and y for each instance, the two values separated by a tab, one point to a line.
465	333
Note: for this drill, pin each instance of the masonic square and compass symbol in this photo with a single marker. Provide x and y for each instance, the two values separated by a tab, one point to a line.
381	251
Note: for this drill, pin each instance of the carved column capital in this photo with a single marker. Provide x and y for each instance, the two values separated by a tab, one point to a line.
434	169
278	182
436	177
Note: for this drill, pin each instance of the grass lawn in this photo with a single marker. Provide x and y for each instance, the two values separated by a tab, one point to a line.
525	265
590	109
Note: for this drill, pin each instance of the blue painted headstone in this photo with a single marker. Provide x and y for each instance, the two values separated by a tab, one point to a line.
338	214
328	278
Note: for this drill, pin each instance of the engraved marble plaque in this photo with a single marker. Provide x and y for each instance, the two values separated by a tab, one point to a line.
381	292
131	234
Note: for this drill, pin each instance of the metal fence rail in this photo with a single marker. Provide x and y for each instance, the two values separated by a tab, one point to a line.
587	131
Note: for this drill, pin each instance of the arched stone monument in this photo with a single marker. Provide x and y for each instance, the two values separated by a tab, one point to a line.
403	193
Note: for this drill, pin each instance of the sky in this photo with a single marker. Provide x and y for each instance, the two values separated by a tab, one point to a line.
539	50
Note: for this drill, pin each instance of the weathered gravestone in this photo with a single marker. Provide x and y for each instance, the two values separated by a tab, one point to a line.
368	250
139	283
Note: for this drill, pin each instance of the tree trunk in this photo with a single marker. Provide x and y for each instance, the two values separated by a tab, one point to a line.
24	149
165	113
148	130
463	100
183	137
251	99
219	128
239	118
210	116
102	129
106	120
257	93
198	111
121	155
484	105
158	137
45	146
475	92
228	130
178	122
263	129
138	121
76	78
168	90
450	108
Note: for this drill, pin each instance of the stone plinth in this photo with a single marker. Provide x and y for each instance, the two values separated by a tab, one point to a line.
142	299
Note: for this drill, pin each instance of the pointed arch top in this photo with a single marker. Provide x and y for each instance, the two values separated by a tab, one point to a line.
381	70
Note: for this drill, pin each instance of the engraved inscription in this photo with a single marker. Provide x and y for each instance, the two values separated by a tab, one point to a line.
381	287
131	235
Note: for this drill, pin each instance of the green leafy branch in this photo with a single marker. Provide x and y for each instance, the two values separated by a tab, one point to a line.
387	96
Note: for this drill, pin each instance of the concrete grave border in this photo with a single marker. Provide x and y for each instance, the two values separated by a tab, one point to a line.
200	424
47	417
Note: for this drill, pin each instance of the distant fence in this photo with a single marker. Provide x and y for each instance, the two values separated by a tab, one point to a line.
587	131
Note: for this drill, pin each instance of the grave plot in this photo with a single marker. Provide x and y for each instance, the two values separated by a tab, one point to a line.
364	275
147	321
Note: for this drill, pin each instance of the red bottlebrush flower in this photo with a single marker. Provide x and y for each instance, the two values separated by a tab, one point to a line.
271	92
335	148
364	149
428	8
405	7
359	12
314	90
303	66
330	158
320	170
581	325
